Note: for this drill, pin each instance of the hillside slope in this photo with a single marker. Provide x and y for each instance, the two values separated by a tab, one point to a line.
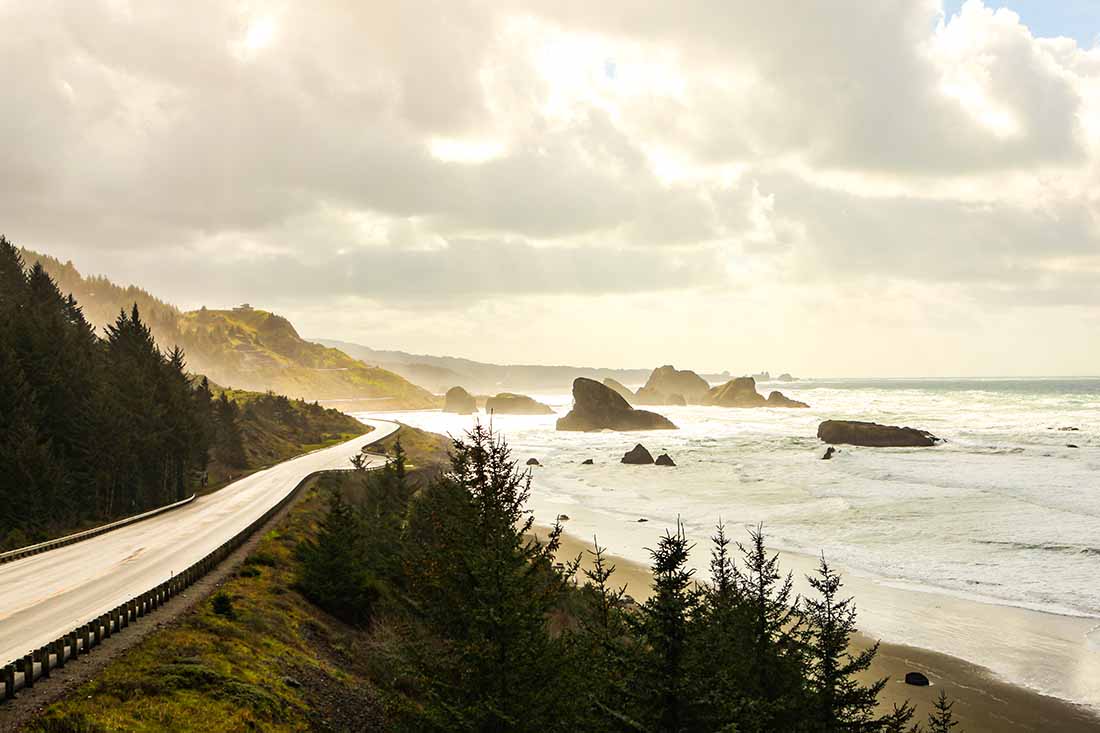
244	348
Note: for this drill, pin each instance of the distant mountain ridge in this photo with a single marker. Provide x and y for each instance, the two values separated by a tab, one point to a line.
245	348
440	373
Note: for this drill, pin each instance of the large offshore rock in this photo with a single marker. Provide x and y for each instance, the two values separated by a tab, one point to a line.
619	388
638	456
596	407
507	403
854	432
460	401
668	385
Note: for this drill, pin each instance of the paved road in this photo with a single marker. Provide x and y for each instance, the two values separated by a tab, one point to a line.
47	595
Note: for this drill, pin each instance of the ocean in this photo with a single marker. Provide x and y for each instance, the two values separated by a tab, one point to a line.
1004	514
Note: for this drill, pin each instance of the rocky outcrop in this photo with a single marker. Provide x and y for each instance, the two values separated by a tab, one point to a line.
587	462
665	460
778	399
668	381
786	377
507	403
828	453
854	432
533	462
638	456
741	392
459	401
596	407
919	679
621	389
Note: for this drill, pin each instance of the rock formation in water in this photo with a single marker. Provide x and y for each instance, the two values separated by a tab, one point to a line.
854	432
533	462
778	399
638	456
828	453
741	392
587	462
668	385
460	401
507	403
596	407
665	460
621	389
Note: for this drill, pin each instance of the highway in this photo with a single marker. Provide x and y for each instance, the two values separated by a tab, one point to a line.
47	595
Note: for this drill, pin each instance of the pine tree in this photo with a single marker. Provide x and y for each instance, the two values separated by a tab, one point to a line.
334	573
486	588
942	719
841	702
774	683
899	719
386	498
662	686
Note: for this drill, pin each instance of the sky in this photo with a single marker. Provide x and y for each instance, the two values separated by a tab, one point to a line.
897	188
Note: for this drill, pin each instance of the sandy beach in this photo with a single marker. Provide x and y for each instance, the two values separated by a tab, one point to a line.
984	703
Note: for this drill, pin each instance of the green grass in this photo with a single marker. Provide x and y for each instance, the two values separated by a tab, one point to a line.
274	663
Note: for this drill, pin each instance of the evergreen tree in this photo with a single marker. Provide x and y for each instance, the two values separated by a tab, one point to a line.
841	702
942	719
899	719
334	573
664	625
386	497
486	588
774	683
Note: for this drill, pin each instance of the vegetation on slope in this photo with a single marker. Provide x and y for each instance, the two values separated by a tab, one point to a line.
100	428
244	347
452	618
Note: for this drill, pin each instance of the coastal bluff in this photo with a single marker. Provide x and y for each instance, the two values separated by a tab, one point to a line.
874	435
597	407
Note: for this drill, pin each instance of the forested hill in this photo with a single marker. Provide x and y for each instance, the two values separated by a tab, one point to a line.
244	348
94	428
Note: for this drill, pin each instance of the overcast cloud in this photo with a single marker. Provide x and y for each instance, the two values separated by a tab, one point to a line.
833	187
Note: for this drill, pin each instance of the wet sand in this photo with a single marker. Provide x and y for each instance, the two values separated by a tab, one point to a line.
983	704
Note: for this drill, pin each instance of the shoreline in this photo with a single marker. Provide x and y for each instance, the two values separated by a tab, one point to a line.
984	702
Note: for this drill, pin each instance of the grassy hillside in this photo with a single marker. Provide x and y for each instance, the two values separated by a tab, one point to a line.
244	348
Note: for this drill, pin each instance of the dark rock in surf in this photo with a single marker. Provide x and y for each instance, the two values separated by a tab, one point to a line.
638	456
597	407
587	462
916	678
1071	445
828	453
665	460
563	517
459	401
855	432
533	462
507	403
778	399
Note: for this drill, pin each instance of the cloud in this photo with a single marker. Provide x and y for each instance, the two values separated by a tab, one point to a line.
422	157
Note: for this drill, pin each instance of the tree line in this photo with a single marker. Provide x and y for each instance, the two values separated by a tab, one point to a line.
95	428
487	632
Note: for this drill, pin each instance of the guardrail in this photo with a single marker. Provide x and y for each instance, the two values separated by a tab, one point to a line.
37	663
22	552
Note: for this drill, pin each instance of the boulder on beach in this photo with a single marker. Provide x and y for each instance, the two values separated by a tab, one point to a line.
828	453
916	678
459	401
668	385
507	403
596	407
533	462
778	399
620	388
665	460
638	456
854	432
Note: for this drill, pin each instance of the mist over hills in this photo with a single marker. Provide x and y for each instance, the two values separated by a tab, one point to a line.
244	347
439	373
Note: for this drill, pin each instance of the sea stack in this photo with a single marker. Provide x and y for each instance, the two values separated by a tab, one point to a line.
459	401
668	385
596	407
741	392
854	432
507	403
